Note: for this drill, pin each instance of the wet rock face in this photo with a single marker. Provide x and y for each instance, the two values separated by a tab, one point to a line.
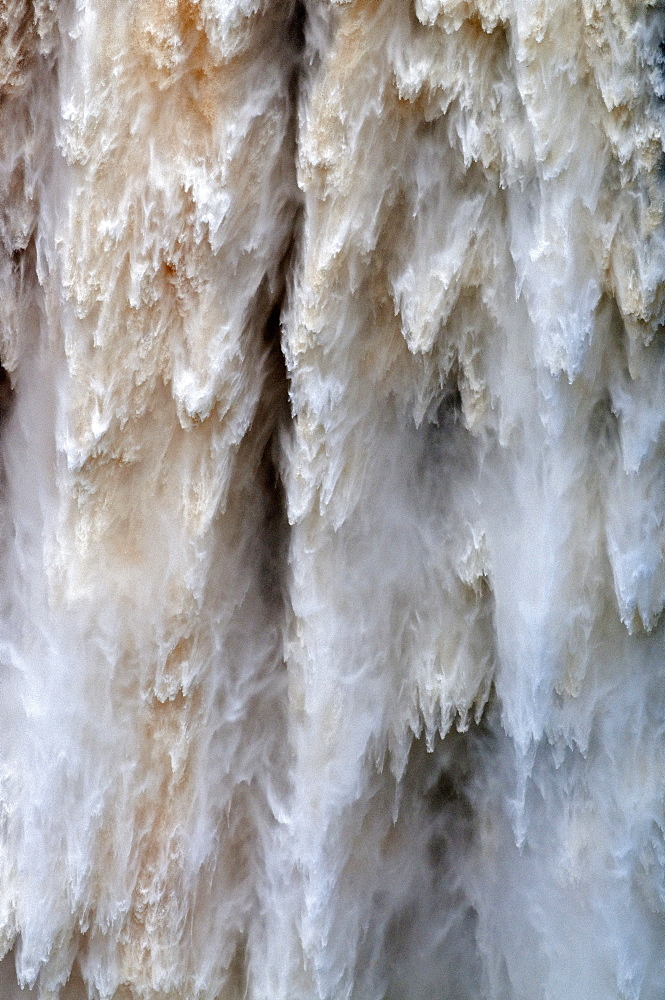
332	506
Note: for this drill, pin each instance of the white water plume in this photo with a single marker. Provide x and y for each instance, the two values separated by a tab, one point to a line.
332	514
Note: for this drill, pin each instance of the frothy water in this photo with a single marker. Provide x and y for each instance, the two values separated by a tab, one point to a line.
332	513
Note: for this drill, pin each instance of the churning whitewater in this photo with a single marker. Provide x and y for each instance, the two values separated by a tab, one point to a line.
332	502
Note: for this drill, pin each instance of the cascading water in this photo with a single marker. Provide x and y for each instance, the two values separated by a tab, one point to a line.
332	513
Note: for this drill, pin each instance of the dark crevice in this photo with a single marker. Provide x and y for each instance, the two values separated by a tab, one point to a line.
438	922
449	410
296	40
275	410
6	394
275	529
296	31
274	414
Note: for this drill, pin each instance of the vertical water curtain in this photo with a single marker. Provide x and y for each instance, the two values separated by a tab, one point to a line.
332	502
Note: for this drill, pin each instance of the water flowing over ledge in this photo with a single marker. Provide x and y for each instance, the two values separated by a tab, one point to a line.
332	505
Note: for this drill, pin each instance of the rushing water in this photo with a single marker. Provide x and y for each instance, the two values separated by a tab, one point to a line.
332	514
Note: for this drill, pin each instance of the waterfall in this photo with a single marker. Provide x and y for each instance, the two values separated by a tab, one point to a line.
332	502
